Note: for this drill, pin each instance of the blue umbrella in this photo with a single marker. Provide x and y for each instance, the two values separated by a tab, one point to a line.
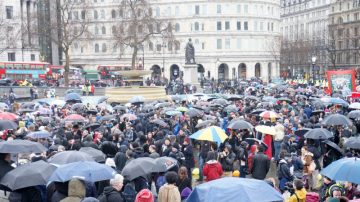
85	170
72	97
335	101
38	134
231	189
173	113
346	169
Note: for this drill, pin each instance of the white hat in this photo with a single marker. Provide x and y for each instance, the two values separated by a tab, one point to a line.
42	128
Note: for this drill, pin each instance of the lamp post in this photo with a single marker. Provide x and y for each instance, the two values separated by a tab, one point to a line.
313	59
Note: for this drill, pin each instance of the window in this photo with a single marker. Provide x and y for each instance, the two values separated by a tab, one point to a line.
219	44
113	29
272	26
197	26
255	26
238	43
238	8
227	43
32	57
70	16
204	9
76	15
177	27
170	46
96	30
246	26
177	11
103	47
157	12
97	48
83	15
218	26
356	16
102	13
113	14
177	45
158	47
246	9
151	46
197	10
227	25
218	9
96	14
9	12
121	13
238	25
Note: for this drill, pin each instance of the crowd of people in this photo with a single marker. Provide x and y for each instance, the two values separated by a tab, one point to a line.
163	129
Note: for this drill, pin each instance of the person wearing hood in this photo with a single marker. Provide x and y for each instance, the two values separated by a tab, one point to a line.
138	151
112	192
227	158
120	158
187	150
212	169
300	192
169	192
285	145
243	156
76	191
61	191
283	170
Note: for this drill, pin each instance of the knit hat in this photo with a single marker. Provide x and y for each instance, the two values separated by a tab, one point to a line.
187	139
21	124
144	195
236	173
90	199
185	193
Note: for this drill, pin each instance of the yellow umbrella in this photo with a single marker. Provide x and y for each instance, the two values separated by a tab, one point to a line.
182	109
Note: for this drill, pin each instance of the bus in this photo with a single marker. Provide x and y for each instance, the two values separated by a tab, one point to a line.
106	71
23	70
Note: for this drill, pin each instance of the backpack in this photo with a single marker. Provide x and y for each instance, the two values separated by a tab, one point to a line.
129	193
312	197
160	181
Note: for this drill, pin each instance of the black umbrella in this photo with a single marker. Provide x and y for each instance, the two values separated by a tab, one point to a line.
259	142
160	123
107	118
96	154
164	164
7	125
194	112
27	175
251	97
72	97
66	157
231	108
120	108
285	99
137	100
204	123
21	146
162	105
317	112
258	111
318	104
336	119
92	126
92	111
352	143
318	134
240	125
354	114
220	101
138	167
234	97
301	132
334	146
78	107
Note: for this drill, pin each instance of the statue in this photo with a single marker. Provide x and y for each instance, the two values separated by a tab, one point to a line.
190	53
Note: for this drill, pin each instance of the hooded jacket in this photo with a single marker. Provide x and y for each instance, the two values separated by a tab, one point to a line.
169	193
301	195
110	195
212	170
76	191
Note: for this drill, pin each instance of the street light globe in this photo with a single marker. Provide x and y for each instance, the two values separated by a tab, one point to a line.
313	59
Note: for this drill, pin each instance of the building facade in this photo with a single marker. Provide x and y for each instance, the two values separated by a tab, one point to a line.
304	28
344	28
232	39
17	19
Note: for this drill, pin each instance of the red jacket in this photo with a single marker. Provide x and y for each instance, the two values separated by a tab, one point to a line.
212	170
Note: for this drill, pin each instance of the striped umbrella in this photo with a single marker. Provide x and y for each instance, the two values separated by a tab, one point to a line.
269	115
212	134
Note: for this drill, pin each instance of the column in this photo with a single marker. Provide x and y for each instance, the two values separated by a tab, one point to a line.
250	69
264	72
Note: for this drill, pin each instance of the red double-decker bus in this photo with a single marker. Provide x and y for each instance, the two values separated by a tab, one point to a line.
24	70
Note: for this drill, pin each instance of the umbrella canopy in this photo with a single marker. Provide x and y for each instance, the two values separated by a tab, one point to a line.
138	167
355	105
301	132
318	134
204	123
346	169
269	115
44	111
130	117
85	170
334	146
66	157
336	119
27	175
212	134
107	118
92	126
164	164
137	99
7	124
4	106
231	189
269	99
21	146
316	112
78	107
266	129
220	101
354	114
161	123
38	134
120	108
258	111
234	97
173	113
231	108
96	154
162	105
8	116
259	142
59	103
335	101
194	113
240	125
75	118
285	99
72	97
182	109
352	143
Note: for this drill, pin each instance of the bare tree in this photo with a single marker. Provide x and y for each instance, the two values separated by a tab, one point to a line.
70	25
137	25
274	47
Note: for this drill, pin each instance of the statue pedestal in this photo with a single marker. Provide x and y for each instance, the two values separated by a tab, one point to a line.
190	73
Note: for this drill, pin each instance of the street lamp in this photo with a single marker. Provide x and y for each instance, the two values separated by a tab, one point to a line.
313	59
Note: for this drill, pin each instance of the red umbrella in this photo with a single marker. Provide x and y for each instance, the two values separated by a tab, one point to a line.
8	116
269	115
75	117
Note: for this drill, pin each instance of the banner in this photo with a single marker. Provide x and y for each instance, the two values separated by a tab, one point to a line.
342	80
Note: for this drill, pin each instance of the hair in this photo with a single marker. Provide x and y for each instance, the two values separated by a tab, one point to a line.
171	177
261	148
183	172
298	184
211	156
118	179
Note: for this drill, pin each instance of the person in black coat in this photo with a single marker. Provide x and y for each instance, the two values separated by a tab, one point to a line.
120	158
260	164
187	150
112	193
227	158
183	179
5	165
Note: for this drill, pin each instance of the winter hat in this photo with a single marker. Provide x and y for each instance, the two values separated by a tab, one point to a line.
236	173
185	193
90	199
144	195
187	139
21	124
